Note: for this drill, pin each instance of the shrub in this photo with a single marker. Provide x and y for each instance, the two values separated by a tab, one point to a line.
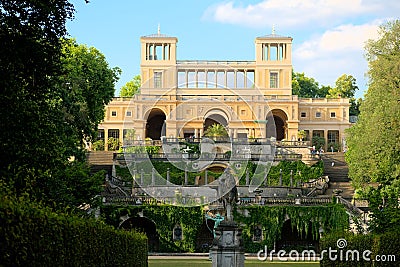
113	143
318	142
98	145
385	245
32	235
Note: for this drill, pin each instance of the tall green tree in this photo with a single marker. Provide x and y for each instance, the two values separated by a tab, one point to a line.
304	86
30	63
131	88
53	96
374	150
87	84
346	86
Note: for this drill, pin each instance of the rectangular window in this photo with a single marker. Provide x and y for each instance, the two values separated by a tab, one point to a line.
129	113
319	133
100	134
303	115
240	76
157	79
273	79
230	79
181	79
191	79
113	133
317	114
201	79
113	113
333	136
211	79
333	114
250	79
221	79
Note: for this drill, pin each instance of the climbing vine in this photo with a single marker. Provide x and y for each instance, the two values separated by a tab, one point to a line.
165	217
331	217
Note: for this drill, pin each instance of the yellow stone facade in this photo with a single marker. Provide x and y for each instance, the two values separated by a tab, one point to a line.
181	98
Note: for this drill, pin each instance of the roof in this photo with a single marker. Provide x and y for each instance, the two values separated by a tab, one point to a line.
274	36
158	35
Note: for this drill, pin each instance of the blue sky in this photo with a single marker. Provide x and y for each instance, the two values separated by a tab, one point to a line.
328	35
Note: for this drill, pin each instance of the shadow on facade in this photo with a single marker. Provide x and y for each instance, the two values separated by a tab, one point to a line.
145	225
292	239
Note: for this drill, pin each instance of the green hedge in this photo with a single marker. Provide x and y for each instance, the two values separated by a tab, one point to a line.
31	235
384	245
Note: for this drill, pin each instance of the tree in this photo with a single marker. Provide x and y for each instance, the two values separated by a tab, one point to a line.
30	62
301	134
216	130
131	88
306	87
373	142
54	93
346	86
87	85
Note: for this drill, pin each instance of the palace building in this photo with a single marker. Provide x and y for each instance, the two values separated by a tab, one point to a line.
251	99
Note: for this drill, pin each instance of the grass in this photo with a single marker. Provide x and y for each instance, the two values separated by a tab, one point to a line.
200	262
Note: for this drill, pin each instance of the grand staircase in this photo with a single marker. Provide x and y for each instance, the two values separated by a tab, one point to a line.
100	160
336	168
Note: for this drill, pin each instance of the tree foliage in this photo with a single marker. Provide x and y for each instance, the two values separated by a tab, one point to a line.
87	84
346	86
374	150
304	86
216	130
131	88
53	96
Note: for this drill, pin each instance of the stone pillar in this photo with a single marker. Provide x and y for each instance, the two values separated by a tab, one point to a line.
206	176
291	178
186	177
168	176
106	139
227	249
153	176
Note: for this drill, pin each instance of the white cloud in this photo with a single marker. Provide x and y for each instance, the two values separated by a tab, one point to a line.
336	52
340	40
290	13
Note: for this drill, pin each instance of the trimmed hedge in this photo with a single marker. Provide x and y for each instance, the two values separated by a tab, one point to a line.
385	245
31	235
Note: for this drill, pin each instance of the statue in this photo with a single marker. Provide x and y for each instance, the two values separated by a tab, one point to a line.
228	198
218	218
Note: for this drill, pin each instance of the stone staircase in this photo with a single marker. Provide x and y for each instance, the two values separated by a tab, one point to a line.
100	160
336	168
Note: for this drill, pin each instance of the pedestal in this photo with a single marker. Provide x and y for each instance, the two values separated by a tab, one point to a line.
227	249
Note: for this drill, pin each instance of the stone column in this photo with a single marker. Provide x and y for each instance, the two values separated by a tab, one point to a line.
227	249
168	176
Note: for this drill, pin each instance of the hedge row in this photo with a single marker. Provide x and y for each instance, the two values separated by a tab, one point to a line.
384	250
31	235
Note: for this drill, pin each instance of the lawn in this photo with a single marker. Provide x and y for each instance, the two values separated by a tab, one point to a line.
200	262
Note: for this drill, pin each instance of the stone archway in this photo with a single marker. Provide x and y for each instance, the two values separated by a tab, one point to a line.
291	238
215	116
278	129
146	226
204	236
155	124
